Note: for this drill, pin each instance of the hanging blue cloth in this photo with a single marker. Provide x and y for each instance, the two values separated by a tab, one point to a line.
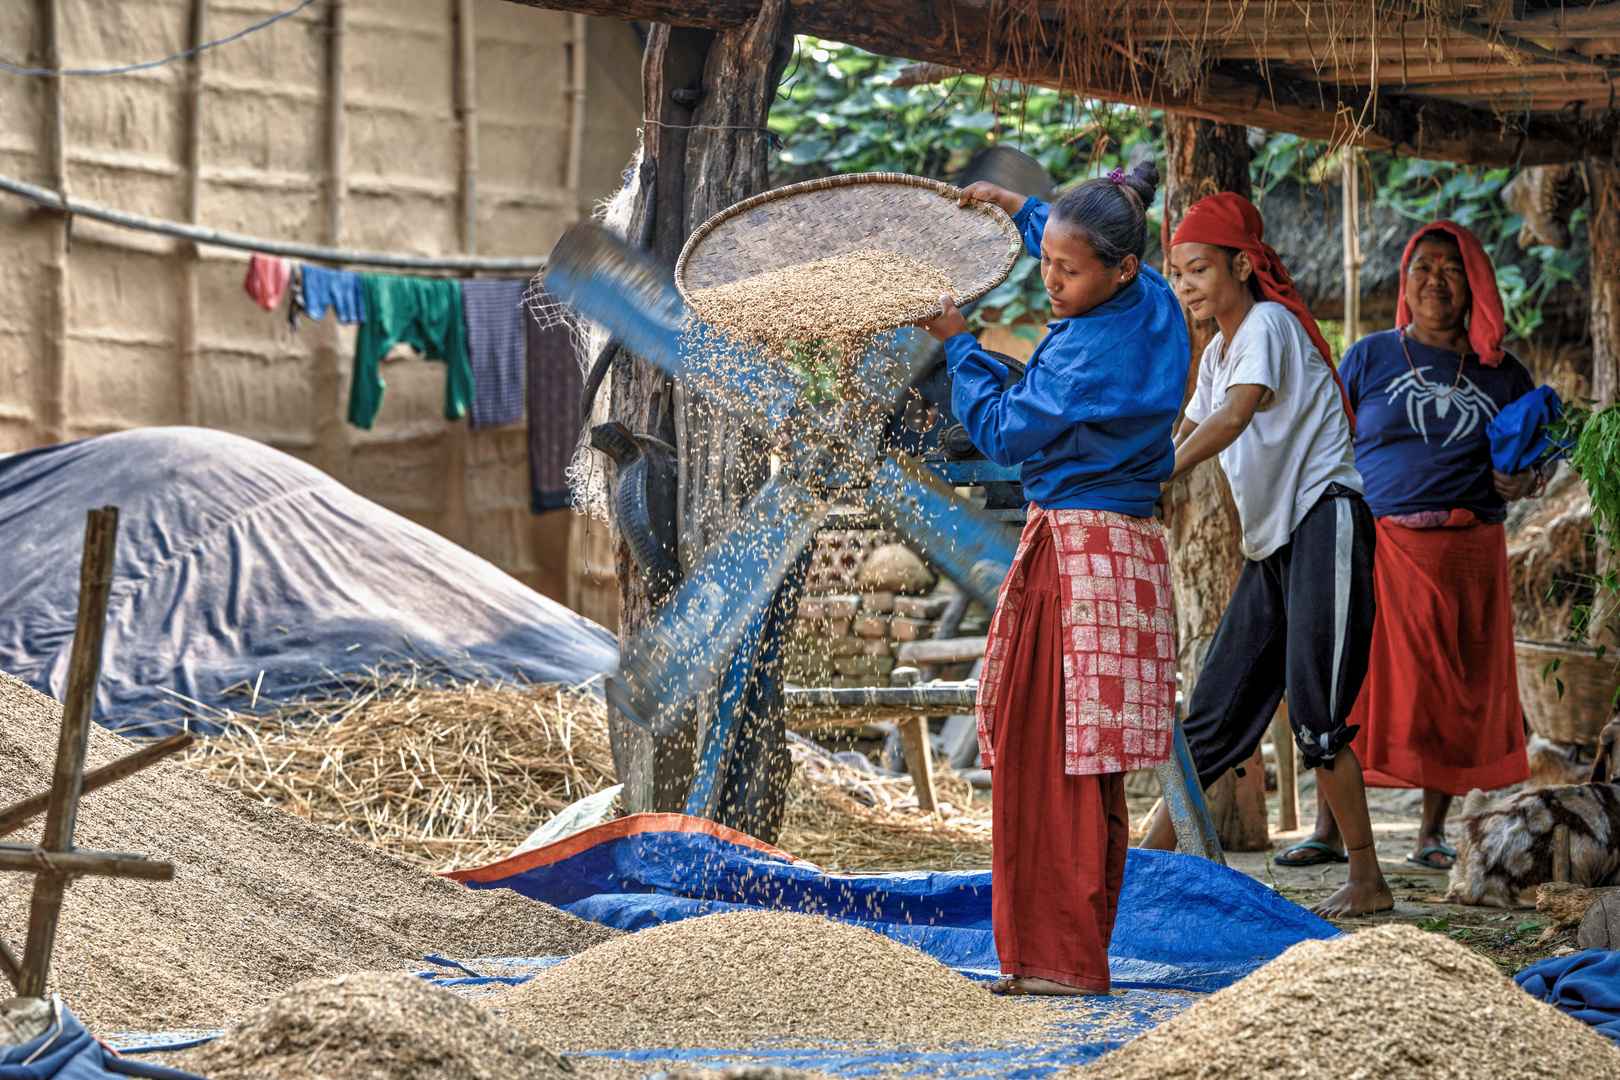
1518	435
1585	985
336	289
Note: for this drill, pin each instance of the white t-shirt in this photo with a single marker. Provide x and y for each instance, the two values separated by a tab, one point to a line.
1293	448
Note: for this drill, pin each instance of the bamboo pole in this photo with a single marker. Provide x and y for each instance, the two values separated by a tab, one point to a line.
56	410
62	810
576	127
468	94
285	248
1352	247
1282	741
188	254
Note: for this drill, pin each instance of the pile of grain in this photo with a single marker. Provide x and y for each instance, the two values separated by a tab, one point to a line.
373	1026
261	899
1381	1004
740	979
841	298
443	777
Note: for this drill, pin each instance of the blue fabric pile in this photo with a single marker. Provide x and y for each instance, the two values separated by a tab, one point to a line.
1585	985
66	1051
240	565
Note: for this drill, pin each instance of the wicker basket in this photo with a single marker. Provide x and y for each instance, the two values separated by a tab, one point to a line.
975	246
1589	686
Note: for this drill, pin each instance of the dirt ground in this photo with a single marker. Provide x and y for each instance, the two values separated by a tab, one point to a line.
1506	937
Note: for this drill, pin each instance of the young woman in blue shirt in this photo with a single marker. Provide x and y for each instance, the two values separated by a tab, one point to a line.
1078	684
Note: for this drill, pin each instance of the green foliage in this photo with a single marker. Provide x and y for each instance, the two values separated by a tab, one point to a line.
838	112
1424	191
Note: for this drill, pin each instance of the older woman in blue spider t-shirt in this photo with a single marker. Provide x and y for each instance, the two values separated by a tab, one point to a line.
1439	709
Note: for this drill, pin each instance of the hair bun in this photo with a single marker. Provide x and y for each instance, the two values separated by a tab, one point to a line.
1143	181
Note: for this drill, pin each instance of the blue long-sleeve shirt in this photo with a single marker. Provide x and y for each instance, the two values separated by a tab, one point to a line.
1091	420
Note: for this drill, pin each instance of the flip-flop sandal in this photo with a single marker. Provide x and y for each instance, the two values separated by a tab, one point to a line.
1425	858
1322	854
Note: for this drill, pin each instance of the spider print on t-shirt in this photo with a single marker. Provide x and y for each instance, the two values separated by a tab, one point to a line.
1473	406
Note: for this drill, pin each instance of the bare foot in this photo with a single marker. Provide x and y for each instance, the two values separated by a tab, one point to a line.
1356	898
1017	987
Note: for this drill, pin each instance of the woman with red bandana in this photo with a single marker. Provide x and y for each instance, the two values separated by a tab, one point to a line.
1440	706
1270	404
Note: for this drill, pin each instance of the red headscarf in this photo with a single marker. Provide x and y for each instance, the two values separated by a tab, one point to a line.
1230	220
1486	326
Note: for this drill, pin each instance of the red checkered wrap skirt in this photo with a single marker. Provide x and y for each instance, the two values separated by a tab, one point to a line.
1119	653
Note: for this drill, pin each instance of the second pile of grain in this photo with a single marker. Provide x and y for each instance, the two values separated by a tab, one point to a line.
1390	1003
741	979
374	1026
260	899
840	298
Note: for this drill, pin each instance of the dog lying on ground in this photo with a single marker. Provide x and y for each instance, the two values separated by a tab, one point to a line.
1506	848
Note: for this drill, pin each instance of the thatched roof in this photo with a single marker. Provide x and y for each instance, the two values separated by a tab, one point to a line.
1477	81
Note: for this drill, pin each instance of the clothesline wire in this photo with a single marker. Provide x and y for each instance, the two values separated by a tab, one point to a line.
767	132
198	234
15	70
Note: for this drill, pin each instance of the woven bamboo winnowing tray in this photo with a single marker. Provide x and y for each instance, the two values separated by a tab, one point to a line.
975	245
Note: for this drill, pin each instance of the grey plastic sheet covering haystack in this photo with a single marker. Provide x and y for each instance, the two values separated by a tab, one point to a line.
238	564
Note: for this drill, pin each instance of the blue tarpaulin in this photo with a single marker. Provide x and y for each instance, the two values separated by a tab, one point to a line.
238	564
1184	923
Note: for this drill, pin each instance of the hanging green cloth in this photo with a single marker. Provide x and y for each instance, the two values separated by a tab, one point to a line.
424	313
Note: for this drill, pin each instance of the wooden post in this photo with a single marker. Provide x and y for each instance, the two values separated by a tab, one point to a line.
1560	853
919	754
1282	738
61	813
1352	247
706	97
1201	519
17	815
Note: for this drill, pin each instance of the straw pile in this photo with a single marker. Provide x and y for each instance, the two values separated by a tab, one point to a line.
459	777
374	1026
1386	1003
260	901
442	777
740	979
848	821
841	298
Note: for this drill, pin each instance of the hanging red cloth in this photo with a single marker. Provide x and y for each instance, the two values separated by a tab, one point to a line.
266	280
1060	840
1439	708
1486	323
1229	220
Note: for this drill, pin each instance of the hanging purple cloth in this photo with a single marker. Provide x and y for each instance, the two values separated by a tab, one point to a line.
555	386
496	349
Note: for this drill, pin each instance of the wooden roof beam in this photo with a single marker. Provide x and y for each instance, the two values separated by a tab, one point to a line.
957	34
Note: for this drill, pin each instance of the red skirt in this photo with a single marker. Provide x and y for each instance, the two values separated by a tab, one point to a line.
1060	840
1440	706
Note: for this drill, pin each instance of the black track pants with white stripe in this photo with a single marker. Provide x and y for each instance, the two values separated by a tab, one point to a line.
1300	621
